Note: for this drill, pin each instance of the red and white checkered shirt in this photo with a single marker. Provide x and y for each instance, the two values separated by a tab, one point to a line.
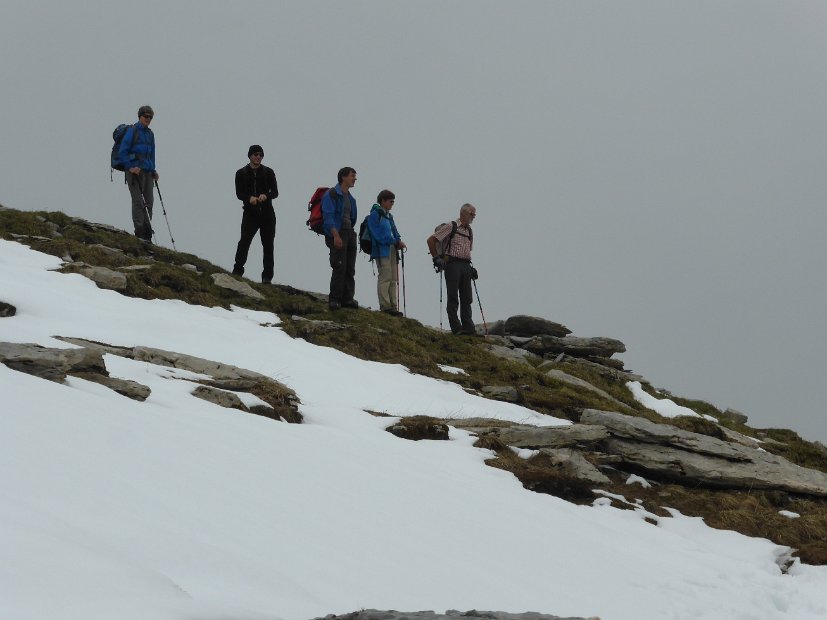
462	242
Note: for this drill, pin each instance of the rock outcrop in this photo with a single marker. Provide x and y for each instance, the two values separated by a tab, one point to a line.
523	338
669	453
658	451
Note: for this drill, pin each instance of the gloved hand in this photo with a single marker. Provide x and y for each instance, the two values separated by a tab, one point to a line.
439	264
474	274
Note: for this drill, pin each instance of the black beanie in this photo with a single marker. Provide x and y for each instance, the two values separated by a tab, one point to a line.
255	149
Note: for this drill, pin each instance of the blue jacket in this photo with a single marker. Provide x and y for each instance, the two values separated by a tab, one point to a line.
333	211
383	232
142	153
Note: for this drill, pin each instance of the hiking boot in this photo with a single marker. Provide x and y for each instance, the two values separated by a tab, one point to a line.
351	303
392	312
266	281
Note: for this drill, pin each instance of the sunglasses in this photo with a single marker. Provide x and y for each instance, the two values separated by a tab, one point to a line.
149	116
256	154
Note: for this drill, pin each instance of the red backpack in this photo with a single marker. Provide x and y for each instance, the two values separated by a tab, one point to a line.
316	221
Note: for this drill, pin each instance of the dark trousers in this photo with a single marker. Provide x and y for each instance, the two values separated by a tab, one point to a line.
140	189
343	264
458	291
260	220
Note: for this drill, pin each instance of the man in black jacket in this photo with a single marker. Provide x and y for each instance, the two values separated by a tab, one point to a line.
256	188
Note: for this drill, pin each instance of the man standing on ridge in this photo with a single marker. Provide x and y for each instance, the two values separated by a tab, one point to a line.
386	243
137	155
457	239
339	212
256	188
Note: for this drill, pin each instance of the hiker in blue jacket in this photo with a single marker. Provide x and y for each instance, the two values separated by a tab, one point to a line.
339	216
385	245
137	154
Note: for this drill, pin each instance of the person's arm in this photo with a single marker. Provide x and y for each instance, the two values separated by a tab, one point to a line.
240	189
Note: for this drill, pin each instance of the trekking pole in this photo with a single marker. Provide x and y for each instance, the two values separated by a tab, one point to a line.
163	208
397	277
404	296
484	324
440	302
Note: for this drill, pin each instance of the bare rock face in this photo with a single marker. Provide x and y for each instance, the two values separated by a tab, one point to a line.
49	363
225	280
534	437
571	345
124	387
515	354
104	277
668	452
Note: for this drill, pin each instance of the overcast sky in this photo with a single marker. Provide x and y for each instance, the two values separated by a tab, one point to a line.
647	171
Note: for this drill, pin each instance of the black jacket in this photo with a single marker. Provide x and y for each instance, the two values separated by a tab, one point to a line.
249	182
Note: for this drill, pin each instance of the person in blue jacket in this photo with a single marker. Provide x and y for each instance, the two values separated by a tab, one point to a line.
339	213
385	245
137	154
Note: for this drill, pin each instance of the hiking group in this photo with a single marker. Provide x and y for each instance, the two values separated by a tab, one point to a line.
333	213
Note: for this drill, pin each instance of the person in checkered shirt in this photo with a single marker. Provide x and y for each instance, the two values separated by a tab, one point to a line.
457	240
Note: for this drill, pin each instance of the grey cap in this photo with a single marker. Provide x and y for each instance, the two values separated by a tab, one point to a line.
145	109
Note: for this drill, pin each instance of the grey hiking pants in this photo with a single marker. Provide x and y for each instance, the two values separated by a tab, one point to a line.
141	190
458	291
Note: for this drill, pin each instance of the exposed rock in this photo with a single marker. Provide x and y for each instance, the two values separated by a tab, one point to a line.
497	328
217	370
523	325
33	237
534	437
48	363
7	309
190	267
571	345
510	353
125	387
610	373
219	397
572	380
575	465
104	277
96	226
106	249
283	402
507	393
667	452
451	614
228	282
733	415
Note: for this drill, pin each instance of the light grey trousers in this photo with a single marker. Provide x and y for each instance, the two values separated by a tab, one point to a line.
387	281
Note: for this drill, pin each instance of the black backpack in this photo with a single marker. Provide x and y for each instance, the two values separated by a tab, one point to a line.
117	138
